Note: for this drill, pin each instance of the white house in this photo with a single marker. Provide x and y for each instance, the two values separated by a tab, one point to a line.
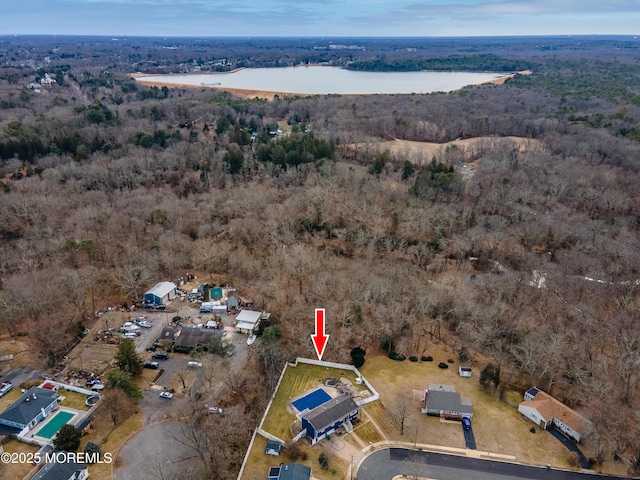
247	321
544	410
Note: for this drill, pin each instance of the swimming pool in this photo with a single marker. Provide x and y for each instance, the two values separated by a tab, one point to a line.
54	424
312	400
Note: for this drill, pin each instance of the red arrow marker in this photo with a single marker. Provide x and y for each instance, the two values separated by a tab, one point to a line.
319	338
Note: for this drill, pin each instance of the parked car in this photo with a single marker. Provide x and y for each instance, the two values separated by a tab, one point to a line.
160	356
466	423
152	348
144	324
215	410
251	339
148	306
166	395
5	388
194	364
161	307
97	387
153	365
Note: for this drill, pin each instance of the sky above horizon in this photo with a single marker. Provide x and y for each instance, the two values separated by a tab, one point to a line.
321	17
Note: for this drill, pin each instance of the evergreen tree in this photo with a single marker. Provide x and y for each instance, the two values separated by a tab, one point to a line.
127	359
68	438
357	356
118	378
490	375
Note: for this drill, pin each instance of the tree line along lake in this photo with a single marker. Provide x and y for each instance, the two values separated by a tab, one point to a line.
322	80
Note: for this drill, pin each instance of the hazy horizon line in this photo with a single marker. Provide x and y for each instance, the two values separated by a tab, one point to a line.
315	37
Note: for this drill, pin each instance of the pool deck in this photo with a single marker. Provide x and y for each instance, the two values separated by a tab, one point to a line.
33	433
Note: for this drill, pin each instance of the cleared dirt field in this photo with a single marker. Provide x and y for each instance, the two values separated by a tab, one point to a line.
23	355
421	153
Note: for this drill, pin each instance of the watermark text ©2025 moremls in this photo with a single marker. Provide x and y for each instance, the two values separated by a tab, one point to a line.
56	457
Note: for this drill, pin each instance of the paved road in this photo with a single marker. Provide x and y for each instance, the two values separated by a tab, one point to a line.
158	451
390	462
19	375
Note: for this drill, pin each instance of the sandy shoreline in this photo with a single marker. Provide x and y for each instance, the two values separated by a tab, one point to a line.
270	95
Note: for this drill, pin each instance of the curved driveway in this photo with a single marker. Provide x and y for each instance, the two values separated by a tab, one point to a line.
390	462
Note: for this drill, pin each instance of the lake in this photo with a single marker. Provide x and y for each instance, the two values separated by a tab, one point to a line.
312	80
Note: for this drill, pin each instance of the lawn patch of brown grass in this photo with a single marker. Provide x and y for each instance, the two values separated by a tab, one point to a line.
74	400
10	397
17	469
112	441
497	426
368	433
258	462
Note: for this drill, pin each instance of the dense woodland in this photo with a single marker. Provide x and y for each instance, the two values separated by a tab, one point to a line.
532	261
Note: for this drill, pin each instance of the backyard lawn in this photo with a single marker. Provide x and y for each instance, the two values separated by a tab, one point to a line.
259	462
74	400
296	381
497	426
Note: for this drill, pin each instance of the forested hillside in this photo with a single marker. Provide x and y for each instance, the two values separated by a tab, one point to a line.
524	256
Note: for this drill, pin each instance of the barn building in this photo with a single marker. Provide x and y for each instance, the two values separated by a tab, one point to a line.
161	293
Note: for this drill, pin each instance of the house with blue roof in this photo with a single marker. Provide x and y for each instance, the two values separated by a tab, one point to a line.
31	408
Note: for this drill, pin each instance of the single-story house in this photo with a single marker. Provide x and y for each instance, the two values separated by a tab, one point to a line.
185	339
63	469
328	417
544	410
247	321
32	407
444	401
290	471
190	339
161	293
273	448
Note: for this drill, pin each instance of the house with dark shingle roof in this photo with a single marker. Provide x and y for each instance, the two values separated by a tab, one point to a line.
32	407
544	410
444	401
62	470
273	448
290	471
328	417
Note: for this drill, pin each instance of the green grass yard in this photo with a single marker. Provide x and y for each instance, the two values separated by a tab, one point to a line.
295	382
74	400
